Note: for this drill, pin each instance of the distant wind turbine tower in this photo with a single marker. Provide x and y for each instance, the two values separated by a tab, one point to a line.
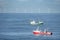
1	7
31	10
39	10
25	11
49	10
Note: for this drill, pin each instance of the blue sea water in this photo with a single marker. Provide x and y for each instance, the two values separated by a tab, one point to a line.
16	26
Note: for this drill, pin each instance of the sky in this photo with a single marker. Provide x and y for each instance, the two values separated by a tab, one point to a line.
29	6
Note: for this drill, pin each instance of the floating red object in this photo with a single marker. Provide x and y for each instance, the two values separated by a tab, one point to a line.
41	33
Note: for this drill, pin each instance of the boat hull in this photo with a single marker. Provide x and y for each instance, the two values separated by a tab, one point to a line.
42	33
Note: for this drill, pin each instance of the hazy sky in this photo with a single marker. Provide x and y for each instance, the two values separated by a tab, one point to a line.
29	6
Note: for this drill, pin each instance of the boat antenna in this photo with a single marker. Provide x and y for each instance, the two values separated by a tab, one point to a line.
37	28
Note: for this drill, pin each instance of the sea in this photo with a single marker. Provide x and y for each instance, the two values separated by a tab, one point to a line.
16	26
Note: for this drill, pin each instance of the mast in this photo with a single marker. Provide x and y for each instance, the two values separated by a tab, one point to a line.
37	28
